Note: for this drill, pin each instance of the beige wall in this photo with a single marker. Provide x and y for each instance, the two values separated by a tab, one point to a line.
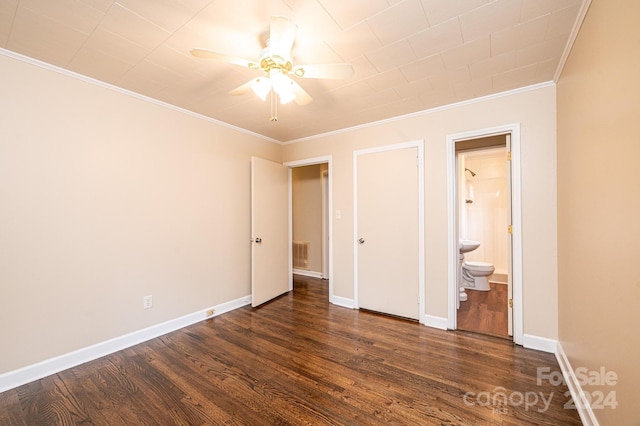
599	202
307	210
107	198
535	110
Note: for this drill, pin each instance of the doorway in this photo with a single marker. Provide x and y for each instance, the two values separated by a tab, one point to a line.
483	219
314	173
309	204
271	227
483	210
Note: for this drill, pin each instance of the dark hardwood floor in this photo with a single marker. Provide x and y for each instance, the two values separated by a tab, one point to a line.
486	311
299	360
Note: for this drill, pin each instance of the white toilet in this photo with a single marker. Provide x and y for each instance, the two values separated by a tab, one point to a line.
475	275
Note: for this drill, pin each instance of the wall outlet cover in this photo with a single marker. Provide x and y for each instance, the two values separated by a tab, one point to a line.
147	302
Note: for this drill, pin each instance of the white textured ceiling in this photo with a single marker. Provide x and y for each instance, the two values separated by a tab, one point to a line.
408	55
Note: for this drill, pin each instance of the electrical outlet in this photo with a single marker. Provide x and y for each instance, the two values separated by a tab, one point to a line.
210	312
147	302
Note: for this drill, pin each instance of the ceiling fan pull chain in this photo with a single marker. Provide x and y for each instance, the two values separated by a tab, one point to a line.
274	107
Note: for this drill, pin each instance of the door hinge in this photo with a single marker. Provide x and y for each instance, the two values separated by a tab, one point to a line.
510	229
511	303
508	155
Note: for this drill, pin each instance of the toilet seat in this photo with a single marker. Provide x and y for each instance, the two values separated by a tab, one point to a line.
478	266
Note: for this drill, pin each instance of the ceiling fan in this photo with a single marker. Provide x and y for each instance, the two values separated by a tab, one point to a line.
277	66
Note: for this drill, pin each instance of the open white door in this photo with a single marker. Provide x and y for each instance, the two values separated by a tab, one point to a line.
269	230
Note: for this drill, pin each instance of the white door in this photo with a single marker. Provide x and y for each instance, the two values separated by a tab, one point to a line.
387	232
270	275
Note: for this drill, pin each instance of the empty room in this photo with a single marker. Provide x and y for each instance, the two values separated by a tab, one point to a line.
319	212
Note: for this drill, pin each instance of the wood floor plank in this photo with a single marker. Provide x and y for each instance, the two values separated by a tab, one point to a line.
10	409
486	311
213	378
300	360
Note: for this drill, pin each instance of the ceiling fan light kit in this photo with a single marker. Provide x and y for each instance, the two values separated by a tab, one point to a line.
276	63
261	86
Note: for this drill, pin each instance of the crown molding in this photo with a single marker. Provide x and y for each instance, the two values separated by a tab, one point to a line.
572	38
486	98
163	104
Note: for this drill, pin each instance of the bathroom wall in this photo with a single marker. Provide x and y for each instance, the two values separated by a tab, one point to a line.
485	218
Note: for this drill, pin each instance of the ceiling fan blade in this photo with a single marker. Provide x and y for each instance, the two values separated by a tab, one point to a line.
281	36
333	71
302	97
208	54
243	88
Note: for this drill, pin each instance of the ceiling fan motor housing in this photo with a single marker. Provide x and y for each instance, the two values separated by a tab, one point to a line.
269	62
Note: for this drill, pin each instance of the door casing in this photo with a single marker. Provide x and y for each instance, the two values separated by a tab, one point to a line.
310	162
516	223
326	219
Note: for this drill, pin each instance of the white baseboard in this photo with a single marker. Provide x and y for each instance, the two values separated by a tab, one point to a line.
435	322
343	301
305	273
231	305
539	343
582	404
51	366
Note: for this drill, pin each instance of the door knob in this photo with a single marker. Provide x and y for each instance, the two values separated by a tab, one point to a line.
258	240
361	240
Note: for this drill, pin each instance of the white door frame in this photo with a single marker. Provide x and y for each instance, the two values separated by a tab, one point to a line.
516	222
326	218
419	144
328	159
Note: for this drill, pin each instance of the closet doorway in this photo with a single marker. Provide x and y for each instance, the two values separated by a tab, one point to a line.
310	225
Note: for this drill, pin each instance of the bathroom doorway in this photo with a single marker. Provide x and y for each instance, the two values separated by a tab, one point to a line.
482	217
481	188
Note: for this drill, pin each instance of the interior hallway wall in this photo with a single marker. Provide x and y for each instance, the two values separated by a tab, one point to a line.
535	110
107	198
599	203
